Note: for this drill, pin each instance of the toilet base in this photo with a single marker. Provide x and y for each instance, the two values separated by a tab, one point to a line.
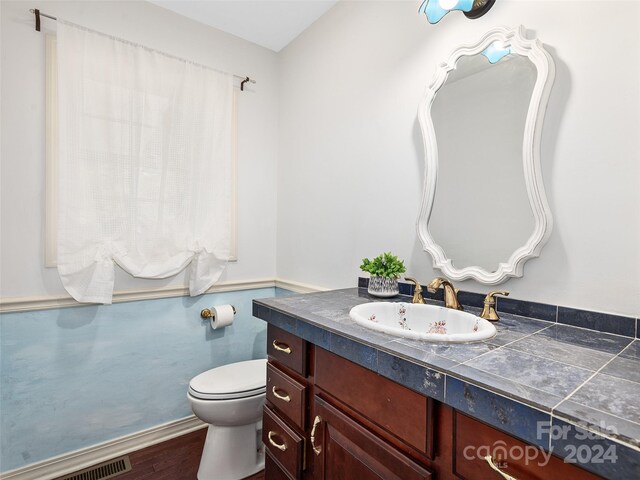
232	453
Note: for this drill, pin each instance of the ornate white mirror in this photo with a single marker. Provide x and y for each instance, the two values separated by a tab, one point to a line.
484	212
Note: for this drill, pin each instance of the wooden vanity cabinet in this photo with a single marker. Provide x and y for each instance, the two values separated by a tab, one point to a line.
328	418
323	418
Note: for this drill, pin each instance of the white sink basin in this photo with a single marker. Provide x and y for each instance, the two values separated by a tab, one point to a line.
422	322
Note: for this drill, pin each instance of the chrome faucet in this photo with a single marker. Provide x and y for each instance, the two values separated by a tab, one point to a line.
450	293
417	292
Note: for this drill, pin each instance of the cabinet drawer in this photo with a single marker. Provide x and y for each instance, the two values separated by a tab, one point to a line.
287	349
473	440
282	443
400	411
287	395
272	471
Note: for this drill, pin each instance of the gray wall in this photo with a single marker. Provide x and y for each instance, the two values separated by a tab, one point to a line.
351	155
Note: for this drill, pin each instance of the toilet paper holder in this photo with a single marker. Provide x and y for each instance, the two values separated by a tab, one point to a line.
208	313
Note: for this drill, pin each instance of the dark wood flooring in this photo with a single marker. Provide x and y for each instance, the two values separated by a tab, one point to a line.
175	459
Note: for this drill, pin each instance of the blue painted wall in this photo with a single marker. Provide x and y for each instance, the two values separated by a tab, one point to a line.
75	377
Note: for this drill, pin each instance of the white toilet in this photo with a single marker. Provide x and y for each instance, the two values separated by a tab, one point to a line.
230	400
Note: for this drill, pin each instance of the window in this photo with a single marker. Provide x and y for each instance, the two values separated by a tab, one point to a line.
51	160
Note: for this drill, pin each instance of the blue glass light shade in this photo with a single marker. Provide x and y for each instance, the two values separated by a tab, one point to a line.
496	52
436	9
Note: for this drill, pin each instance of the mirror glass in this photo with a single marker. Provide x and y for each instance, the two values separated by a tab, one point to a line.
481	211
484	212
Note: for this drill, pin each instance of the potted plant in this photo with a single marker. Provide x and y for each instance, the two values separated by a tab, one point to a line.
385	270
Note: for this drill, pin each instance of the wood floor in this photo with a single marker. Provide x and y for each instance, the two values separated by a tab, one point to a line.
176	459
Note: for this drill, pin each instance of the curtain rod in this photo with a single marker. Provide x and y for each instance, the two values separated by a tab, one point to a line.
244	79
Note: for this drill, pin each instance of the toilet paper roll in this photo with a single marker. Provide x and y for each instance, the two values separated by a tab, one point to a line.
222	316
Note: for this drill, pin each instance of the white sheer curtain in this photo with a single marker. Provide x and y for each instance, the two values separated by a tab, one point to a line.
144	165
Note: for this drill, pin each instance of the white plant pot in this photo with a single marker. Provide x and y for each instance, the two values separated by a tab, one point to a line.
383	287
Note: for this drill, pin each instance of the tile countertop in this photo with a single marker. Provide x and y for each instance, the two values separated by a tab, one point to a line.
570	390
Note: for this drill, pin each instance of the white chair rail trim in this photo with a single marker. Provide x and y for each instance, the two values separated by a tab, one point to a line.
23	304
298	287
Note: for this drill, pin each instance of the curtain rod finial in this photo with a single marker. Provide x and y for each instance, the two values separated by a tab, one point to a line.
36	12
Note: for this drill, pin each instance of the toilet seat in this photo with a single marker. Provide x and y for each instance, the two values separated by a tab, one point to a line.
232	381
226	396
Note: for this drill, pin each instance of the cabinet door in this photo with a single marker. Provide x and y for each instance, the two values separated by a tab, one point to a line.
344	450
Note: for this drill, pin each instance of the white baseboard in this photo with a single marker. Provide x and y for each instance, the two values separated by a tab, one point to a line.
72	462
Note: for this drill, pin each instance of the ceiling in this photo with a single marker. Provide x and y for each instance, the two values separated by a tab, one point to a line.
272	24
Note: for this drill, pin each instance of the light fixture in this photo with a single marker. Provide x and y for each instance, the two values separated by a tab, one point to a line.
496	52
436	9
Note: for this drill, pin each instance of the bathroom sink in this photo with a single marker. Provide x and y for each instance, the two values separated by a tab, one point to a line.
422	322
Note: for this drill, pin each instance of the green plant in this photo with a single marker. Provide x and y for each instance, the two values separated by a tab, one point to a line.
384	265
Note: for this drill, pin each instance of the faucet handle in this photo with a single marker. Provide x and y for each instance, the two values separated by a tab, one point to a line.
417	291
436	283
489	310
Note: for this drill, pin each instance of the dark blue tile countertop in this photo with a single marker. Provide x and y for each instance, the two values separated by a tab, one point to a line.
573	391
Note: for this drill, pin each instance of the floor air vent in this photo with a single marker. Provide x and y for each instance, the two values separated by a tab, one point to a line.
102	471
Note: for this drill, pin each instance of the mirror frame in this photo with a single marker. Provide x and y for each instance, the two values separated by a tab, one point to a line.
513	267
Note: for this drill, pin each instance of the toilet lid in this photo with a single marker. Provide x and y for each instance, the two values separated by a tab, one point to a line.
235	380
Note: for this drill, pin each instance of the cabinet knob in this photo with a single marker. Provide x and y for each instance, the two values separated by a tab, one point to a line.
280	446
491	463
316	448
278	346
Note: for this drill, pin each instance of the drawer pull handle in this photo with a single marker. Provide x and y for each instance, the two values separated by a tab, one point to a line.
286	349
284	397
280	446
316	448
489	460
